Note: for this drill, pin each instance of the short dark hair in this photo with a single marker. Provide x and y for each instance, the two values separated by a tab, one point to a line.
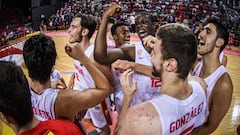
39	54
180	43
111	20
88	21
116	25
222	31
15	97
149	16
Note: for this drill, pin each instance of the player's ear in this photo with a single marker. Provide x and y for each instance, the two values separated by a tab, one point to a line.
219	42
172	65
85	32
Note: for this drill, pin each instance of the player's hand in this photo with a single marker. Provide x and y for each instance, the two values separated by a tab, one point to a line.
149	41
58	84
112	10
74	50
128	82
121	65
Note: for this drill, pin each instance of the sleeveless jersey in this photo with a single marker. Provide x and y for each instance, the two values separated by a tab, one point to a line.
118	93
147	87
82	76
54	127
111	44
83	81
179	117
221	56
43	104
212	78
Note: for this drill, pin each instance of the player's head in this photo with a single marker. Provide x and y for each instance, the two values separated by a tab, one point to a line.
39	54
144	25
120	33
82	25
214	35
175	49
15	97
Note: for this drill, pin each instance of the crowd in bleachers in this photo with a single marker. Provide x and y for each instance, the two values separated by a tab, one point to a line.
165	11
188	12
12	26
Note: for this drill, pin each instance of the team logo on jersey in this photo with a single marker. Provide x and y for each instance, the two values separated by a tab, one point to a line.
48	132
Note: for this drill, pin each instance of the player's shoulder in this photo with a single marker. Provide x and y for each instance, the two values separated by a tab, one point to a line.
224	83
145	117
198	80
141	112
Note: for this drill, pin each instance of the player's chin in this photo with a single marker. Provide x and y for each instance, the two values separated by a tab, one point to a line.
72	40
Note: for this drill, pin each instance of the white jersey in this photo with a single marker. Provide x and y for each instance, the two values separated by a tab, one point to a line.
221	56
55	75
82	76
212	79
118	93
147	87
179	117
84	81
111	44
43	104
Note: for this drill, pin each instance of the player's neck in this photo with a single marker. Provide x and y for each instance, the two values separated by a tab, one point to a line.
210	64
38	87
33	123
176	87
85	43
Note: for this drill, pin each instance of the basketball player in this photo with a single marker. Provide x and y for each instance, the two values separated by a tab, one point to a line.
39	55
81	30
121	36
212	41
16	108
182	104
120	33
149	87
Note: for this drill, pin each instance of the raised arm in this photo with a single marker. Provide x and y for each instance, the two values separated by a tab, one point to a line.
69	102
101	54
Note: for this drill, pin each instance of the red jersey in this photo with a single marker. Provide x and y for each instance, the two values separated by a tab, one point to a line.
54	127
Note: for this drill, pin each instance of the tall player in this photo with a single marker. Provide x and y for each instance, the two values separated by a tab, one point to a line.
81	30
182	104
212	41
149	87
